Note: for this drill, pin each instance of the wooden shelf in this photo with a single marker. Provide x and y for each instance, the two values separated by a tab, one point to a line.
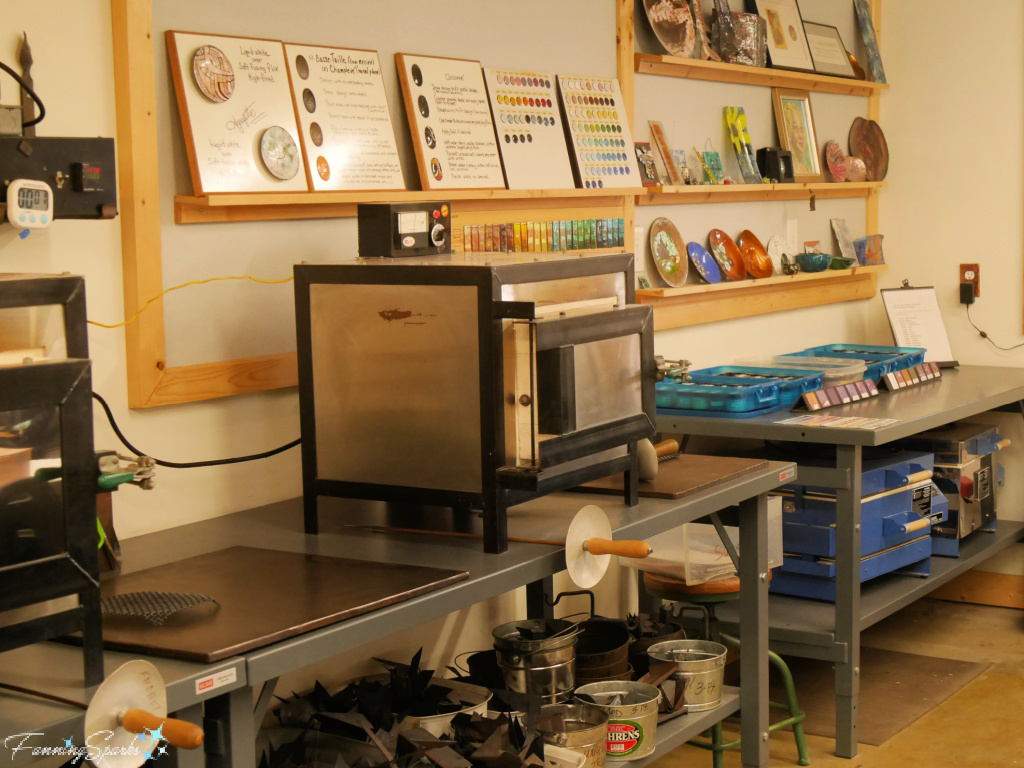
738	193
229	206
707	303
695	69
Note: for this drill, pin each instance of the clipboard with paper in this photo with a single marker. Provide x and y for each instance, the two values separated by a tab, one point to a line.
915	321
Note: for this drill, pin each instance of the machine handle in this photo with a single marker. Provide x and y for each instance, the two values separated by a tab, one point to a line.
179	733
666	448
1002	445
918	477
917	525
627	548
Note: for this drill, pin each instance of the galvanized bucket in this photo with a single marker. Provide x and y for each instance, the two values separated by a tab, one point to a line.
632	716
701	668
583	728
537	657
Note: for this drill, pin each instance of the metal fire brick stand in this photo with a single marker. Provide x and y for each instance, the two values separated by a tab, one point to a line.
220	696
820	630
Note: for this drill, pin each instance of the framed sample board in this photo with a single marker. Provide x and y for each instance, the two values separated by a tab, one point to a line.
598	130
528	124
237	113
346	130
450	121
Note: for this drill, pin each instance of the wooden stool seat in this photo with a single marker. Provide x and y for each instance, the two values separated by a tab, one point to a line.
666	585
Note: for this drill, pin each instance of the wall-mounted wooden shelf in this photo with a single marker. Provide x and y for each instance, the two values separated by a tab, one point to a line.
695	69
707	303
224	207
739	193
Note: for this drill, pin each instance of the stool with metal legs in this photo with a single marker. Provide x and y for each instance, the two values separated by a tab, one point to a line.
707	596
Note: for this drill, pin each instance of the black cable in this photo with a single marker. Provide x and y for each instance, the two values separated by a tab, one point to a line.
187	464
986	336
30	92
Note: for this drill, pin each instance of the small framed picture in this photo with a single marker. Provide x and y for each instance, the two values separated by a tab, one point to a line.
787	41
827	50
795	122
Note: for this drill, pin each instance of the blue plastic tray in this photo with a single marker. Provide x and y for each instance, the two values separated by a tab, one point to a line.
717	399
792	382
717	414
880	360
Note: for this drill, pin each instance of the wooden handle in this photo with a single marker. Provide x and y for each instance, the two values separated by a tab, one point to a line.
177	732
917	525
639	549
666	448
917	477
1002	445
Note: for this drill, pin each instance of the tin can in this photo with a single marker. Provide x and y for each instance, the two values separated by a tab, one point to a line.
632	710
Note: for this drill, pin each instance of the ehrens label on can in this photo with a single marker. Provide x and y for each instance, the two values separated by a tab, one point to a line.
624	737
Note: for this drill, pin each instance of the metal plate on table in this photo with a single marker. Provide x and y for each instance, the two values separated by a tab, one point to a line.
684	476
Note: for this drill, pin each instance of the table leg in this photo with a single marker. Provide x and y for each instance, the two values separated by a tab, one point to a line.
848	534
185	758
753	520
230	736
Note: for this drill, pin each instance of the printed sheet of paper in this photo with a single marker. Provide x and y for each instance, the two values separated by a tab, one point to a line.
347	134
237	113
450	120
838	422
915	321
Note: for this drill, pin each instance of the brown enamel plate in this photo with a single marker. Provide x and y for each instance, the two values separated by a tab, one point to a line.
728	256
669	252
214	75
755	257
868	143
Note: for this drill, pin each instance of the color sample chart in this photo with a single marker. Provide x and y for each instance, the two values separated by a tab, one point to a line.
599	133
540	236
528	124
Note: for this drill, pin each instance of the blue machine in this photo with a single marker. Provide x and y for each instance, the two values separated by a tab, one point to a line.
899	506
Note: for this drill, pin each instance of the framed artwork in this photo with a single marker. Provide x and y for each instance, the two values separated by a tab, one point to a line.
867	32
787	41
795	122
827	50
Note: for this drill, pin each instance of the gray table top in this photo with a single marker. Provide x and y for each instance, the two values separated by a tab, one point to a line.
959	394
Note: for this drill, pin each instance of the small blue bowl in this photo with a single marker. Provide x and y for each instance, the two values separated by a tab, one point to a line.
813	262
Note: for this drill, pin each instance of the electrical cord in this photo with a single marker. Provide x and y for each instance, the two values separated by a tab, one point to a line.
187	464
30	92
145	306
986	336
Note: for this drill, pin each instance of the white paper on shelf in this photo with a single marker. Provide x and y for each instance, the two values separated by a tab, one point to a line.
915	321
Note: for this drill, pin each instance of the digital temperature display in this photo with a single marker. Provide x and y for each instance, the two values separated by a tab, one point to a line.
31	199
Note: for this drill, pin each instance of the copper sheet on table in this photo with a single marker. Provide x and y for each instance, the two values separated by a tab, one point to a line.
265	596
683	476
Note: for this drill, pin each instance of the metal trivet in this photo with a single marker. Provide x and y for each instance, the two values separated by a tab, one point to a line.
154	607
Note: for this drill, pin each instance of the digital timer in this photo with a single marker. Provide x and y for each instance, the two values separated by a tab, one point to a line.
29	203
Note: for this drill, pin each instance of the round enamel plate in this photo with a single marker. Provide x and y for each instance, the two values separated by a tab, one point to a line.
706	266
755	257
776	249
868	143
215	78
727	255
667	251
280	153
835	160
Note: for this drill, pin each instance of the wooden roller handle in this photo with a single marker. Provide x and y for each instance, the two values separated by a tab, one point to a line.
917	525
639	549
1002	445
666	448
917	477
177	732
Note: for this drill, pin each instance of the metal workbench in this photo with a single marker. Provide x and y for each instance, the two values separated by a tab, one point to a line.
820	630
229	713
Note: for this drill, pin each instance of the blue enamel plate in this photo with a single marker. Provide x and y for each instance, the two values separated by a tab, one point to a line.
705	265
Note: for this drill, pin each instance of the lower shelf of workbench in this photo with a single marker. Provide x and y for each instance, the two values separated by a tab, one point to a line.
679	730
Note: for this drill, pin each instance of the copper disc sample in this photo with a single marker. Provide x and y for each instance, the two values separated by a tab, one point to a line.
280	153
755	257
214	75
669	252
868	143
855	169
672	23
728	256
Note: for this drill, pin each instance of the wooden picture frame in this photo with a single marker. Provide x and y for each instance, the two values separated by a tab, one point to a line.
795	121
827	50
787	40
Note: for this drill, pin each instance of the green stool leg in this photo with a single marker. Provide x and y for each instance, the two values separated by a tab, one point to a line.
717	752
796	716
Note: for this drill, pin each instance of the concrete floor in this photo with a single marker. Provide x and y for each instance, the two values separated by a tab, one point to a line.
981	726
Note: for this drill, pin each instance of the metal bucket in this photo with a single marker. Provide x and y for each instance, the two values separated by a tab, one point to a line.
536	656
583	728
701	668
632	716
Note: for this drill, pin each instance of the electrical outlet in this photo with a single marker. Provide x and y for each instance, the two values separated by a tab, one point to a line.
971	273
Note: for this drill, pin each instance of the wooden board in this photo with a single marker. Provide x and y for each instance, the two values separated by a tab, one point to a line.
600	140
450	121
224	126
265	596
348	140
684	476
